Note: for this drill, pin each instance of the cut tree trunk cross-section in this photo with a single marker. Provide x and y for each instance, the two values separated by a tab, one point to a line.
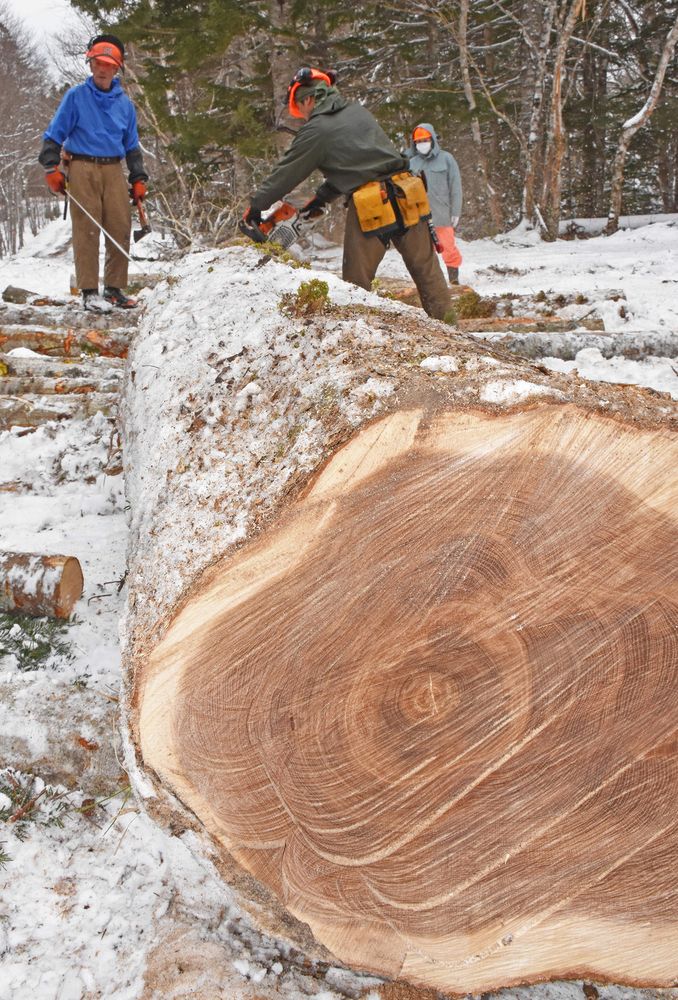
434	709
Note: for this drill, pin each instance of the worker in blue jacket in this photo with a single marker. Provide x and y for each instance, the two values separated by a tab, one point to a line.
93	130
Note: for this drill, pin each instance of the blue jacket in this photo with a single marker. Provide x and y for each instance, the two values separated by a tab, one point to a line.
442	178
95	122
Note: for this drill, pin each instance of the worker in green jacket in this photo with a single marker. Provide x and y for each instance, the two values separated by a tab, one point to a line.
348	146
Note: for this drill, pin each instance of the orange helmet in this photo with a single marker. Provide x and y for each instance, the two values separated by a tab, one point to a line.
108	49
421	134
306	77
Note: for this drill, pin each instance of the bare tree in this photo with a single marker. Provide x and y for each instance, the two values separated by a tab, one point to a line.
633	125
23	108
481	157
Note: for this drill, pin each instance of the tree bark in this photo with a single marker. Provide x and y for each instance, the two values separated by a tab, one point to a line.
61	368
284	62
556	138
539	22
106	343
413	664
482	165
20	386
35	584
634	125
543	343
31	410
593	138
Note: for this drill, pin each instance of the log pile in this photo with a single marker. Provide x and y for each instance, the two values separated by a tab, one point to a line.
55	366
402	638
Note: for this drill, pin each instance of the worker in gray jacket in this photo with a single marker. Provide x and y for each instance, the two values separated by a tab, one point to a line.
443	182
347	145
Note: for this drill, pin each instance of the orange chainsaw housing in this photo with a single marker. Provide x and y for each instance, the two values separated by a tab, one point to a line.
282	213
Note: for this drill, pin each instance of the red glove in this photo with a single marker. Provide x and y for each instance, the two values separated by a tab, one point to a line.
56	181
138	191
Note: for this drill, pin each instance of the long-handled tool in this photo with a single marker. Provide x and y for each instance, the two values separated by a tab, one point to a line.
100	227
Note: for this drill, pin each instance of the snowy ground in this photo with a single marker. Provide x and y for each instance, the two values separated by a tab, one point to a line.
95	900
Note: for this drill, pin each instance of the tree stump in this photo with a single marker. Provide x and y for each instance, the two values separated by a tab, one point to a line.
430	705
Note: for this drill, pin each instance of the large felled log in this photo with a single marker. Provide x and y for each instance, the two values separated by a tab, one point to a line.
39	584
428	703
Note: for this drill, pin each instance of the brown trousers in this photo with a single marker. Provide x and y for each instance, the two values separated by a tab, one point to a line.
363	254
101	188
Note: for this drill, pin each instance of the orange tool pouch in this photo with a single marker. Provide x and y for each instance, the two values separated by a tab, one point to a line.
411	198
374	209
388	207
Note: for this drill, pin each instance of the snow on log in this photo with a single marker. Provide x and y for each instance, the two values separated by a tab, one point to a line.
640	344
402	632
30	410
70	315
108	343
24	363
526	324
37	584
55	386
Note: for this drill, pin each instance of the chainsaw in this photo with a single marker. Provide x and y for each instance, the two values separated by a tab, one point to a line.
280	224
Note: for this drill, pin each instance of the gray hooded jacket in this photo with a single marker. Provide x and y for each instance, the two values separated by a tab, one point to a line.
442	177
343	141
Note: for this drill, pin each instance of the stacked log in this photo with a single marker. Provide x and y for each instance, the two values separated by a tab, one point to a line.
69	343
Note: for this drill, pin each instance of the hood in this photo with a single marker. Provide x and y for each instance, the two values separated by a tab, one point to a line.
328	100
435	148
106	95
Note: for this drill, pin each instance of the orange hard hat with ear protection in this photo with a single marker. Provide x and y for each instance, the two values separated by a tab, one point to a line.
306	77
421	134
106	48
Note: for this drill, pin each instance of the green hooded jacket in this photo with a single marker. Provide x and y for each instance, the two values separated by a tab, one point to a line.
344	141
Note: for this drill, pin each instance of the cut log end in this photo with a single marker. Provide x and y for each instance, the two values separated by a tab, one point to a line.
70	587
433	708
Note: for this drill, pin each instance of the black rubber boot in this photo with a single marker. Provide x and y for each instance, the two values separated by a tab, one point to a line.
453	275
118	298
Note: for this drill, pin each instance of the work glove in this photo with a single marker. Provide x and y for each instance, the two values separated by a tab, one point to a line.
252	216
454	221
138	191
56	181
313	209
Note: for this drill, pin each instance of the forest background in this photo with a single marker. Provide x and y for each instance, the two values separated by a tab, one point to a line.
554	109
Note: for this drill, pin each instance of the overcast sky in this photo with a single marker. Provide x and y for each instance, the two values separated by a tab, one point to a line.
43	17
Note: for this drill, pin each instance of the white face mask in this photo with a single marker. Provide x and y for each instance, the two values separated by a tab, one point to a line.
424	147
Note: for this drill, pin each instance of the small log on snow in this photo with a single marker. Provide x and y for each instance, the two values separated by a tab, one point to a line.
73	343
423	691
35	584
525	324
68	315
566	345
33	411
56	386
44	366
